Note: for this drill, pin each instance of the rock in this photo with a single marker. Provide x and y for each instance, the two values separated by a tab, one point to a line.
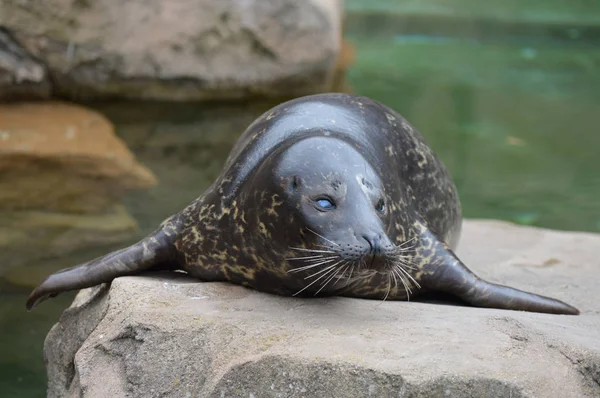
32	243
21	76
171	336
200	49
65	158
345	59
63	173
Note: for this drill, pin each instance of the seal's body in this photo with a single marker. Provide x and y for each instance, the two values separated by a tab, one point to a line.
330	194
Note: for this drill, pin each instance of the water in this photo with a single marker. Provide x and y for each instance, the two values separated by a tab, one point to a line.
516	123
513	112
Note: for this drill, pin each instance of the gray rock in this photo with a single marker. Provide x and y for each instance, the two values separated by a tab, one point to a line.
168	335
21	76
199	49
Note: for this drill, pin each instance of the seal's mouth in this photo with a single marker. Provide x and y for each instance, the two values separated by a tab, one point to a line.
329	266
323	270
377	262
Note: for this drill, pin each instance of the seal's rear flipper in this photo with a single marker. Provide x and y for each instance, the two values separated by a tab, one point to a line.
151	252
446	273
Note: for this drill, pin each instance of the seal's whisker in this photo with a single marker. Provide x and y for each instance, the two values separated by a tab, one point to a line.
406	249
404	260
407	288
408	275
389	288
397	252
395	280
343	269
305	257
362	263
406	242
401	257
350	277
319	259
405	264
366	274
304	268
322	237
316	259
401	251
325	246
323	270
329	279
369	273
346	265
405	282
331	269
311	250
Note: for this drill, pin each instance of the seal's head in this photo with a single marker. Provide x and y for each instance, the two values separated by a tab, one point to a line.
334	211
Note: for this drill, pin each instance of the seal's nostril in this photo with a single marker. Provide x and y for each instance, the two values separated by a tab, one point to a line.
374	256
365	237
374	242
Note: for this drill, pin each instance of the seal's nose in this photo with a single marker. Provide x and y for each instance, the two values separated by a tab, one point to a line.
374	241
376	252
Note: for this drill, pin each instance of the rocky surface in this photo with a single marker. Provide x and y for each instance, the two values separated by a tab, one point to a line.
21	76
198	49
62	157
170	336
63	173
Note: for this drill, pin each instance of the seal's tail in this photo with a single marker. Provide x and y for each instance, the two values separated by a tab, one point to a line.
151	252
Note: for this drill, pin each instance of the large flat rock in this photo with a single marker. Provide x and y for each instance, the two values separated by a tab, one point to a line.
169	336
64	157
63	174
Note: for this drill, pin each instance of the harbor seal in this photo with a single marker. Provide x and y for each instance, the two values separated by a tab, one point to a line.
329	194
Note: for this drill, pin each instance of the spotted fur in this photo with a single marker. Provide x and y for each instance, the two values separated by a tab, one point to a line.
246	227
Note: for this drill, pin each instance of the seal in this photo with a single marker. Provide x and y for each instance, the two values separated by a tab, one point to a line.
329	194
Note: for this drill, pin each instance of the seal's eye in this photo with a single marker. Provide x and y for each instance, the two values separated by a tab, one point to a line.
380	206
325	204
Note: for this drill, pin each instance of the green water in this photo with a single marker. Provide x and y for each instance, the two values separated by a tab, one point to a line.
573	12
516	123
513	111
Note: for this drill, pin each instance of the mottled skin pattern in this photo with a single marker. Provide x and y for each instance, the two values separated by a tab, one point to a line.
391	219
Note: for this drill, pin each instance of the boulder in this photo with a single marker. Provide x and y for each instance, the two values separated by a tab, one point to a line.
21	76
169	335
64	158
344	61
173	50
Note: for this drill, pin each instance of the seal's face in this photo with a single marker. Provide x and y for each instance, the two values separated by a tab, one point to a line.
341	207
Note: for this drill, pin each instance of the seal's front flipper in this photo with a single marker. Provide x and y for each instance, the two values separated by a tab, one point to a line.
446	273
151	252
